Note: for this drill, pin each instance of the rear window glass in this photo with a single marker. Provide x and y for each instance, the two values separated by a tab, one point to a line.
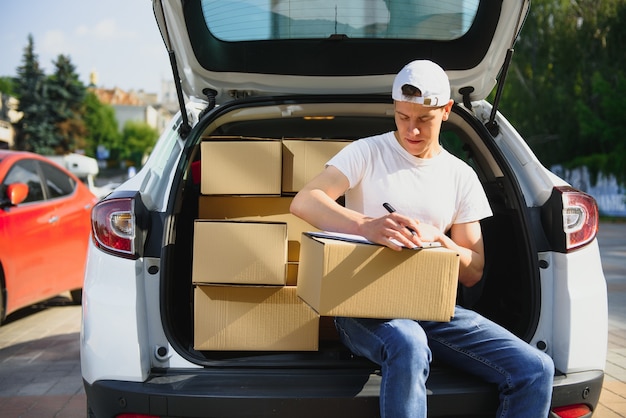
253	20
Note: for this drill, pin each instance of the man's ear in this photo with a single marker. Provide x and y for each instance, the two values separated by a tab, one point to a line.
447	109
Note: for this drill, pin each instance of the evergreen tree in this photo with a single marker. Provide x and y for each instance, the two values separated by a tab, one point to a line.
67	93
35	131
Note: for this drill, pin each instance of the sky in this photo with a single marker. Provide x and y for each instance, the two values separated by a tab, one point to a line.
118	39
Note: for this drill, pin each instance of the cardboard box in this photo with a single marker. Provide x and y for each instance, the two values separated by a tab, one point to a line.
338	278
257	208
303	159
292	273
241	167
253	318
239	252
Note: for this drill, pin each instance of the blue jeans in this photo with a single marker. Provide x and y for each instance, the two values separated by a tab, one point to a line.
404	348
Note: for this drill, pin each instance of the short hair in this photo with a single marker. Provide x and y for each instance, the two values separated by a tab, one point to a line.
411	91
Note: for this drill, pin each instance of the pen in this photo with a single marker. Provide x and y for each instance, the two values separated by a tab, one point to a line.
391	209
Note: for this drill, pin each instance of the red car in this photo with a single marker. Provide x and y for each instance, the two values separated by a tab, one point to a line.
44	230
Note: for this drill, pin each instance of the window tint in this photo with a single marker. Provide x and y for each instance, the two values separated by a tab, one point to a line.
247	20
59	184
25	171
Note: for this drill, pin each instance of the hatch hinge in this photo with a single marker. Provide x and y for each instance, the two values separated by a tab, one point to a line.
211	95
492	125
184	128
466	92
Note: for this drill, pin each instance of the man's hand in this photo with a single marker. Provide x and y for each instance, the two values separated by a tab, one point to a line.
397	231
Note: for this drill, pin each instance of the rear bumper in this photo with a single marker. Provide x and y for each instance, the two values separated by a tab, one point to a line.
304	393
578	388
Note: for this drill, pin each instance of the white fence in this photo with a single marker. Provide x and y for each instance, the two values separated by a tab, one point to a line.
611	197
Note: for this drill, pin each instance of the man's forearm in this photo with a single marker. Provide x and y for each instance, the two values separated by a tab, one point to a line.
321	211
471	263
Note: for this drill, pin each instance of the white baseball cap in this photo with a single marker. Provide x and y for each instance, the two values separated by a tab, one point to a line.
429	78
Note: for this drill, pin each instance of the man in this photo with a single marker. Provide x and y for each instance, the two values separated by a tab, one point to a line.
437	198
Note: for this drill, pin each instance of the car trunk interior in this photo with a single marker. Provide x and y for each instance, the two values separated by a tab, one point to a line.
507	293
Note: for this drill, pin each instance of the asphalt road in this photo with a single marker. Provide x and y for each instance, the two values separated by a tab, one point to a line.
40	365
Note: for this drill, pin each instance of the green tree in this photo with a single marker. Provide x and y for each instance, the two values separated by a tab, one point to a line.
6	85
566	83
67	93
35	131
101	126
600	116
139	139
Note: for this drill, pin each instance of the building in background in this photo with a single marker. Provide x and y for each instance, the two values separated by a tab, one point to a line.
7	134
8	116
138	106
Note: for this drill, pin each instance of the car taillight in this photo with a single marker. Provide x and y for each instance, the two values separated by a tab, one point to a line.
580	217
113	226
571	218
572	411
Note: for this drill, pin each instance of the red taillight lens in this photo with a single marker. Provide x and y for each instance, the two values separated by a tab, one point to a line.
580	217
113	226
572	411
570	219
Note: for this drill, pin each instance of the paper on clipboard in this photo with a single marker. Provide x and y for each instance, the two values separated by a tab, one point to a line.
362	240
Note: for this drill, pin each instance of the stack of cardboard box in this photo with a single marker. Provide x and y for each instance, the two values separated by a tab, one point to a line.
262	283
247	244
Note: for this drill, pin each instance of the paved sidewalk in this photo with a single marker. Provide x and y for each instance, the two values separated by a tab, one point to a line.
613	248
40	363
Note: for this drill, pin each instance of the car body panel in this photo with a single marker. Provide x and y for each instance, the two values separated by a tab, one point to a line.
43	244
119	332
116	321
538	181
26	256
580	307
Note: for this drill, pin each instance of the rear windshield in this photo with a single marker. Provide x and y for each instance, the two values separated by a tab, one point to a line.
253	20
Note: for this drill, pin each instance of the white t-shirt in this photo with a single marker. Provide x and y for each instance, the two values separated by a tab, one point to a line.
440	191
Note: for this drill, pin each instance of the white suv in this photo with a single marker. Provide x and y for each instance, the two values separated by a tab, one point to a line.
320	72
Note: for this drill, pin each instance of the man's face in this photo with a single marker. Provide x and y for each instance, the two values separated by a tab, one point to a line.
419	126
